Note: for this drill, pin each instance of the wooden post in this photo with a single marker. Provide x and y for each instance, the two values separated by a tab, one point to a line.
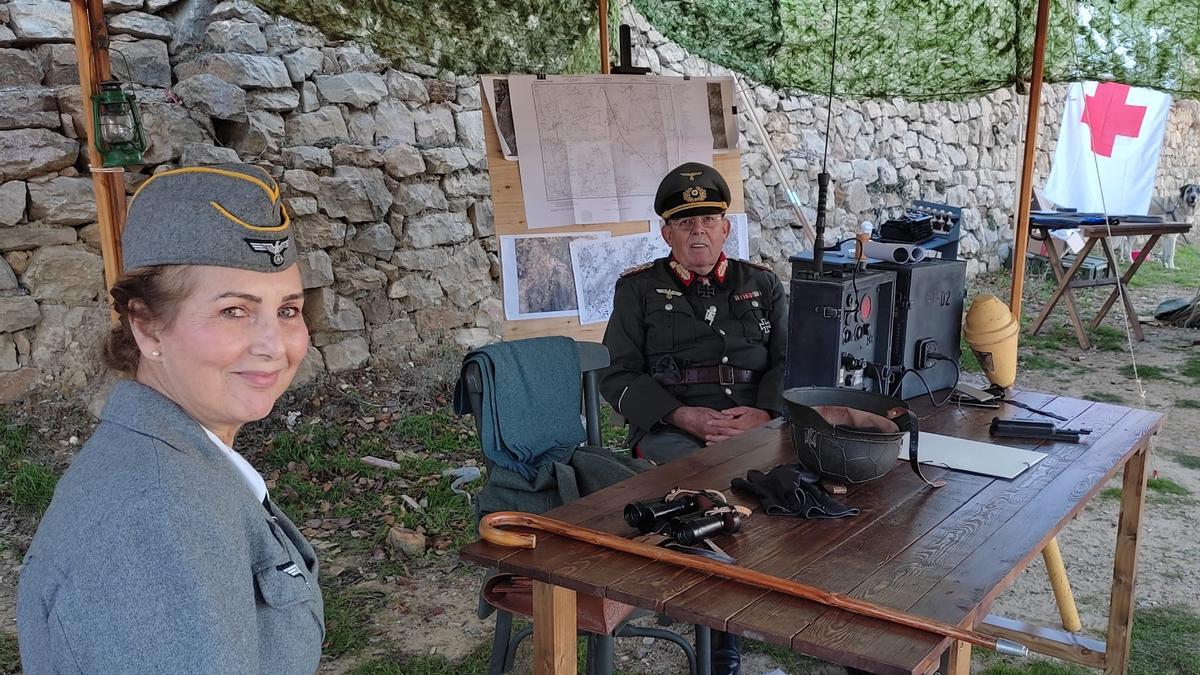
1021	233
605	68
553	630
960	659
1120	604
91	47
1061	586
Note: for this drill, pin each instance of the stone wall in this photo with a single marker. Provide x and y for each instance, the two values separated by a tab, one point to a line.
383	169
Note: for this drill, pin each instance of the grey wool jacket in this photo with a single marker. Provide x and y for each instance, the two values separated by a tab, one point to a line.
155	557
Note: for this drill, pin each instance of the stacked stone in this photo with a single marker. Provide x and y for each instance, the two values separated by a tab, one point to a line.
51	274
383	170
384	176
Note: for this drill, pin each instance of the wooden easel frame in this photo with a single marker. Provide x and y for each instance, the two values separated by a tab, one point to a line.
508	205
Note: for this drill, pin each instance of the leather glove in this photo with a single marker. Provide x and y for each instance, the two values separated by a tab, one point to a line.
790	490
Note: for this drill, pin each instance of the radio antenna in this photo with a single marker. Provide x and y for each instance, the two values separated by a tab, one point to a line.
823	177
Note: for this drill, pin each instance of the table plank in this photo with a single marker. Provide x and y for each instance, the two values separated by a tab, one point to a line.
981	576
882	535
910	576
1134	229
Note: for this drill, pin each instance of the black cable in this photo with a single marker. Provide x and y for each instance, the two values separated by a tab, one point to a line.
929	391
832	64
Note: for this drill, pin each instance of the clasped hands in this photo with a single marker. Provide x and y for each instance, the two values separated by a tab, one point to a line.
715	426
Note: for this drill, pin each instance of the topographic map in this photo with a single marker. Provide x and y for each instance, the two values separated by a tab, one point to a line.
593	149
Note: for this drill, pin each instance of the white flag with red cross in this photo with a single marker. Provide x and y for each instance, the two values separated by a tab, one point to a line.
1108	148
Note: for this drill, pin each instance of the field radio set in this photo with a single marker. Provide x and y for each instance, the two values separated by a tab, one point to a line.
892	328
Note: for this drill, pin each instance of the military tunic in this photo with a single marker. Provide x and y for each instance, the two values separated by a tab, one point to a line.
661	322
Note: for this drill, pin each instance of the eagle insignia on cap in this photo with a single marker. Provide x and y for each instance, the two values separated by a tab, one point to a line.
695	193
691	175
273	247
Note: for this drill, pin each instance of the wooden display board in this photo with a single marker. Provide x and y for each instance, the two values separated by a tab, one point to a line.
508	205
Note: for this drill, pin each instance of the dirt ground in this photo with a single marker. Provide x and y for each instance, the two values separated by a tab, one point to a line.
428	608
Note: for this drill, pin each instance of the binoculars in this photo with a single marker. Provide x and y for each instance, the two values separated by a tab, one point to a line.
688	519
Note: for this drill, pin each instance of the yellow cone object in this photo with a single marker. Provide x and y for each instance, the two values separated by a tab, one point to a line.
992	331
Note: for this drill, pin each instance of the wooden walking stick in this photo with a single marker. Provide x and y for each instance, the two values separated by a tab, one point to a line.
489	530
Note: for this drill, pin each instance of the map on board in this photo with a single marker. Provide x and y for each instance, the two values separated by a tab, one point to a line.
594	148
598	263
537	278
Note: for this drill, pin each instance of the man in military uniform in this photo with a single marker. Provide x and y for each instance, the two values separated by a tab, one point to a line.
697	340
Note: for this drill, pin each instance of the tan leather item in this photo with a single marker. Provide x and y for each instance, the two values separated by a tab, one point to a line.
514	593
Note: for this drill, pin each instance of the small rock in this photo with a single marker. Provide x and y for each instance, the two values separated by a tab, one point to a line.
406	542
141	25
233	35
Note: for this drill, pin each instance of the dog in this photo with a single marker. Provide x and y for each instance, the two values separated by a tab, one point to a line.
1179	209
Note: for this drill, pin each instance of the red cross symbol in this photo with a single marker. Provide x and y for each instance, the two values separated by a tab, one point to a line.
1109	116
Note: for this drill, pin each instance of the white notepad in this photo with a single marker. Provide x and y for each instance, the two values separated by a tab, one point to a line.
960	454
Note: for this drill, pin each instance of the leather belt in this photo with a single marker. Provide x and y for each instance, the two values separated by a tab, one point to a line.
723	375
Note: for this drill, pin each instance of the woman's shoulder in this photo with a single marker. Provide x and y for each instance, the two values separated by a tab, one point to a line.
121	475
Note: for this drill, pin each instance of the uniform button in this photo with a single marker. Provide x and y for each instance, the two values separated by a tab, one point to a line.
721	331
728	392
754	303
724	359
670	306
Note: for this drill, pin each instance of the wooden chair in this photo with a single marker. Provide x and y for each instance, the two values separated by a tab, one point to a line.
592	357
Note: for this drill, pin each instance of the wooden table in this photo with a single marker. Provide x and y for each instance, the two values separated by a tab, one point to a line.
1094	234
942	553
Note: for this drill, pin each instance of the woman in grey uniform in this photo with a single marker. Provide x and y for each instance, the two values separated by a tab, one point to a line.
161	551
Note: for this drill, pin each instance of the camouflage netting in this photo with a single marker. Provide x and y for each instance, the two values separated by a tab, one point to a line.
489	36
937	48
917	49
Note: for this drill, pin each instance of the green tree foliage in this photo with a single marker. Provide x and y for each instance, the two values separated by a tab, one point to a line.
911	48
493	36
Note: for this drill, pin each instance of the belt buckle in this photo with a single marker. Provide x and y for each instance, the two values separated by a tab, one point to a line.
725	375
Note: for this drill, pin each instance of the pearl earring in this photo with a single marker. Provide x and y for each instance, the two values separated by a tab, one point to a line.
155	353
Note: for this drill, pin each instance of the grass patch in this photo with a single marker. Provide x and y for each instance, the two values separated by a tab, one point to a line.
475	663
1145	372
1186	461
1107	339
1189	403
1159	491
28	485
1039	667
318	474
10	657
347	617
1191	369
1051	338
1104	397
1152	274
611	435
1039	362
31	487
967	362
438	431
1166	486
1166	641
